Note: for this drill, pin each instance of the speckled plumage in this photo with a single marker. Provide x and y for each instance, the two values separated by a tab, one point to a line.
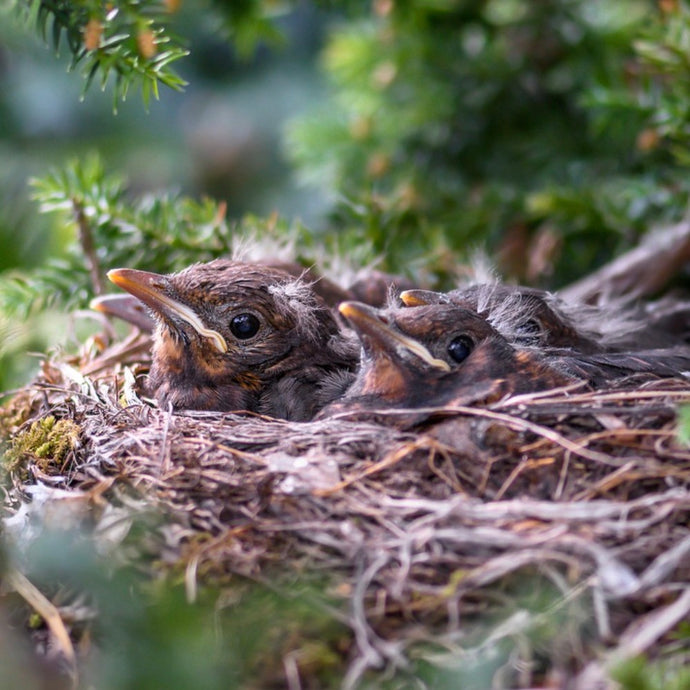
444	354
406	360
289	368
532	317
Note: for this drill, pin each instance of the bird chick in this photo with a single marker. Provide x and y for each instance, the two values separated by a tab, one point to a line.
237	336
436	355
537	318
130	309
525	316
445	355
601	368
371	286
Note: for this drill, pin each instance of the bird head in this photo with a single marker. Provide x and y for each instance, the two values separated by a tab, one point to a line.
432	355
525	316
226	330
549	350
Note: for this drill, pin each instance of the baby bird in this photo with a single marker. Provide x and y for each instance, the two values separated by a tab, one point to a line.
370	286
238	336
444	354
526	316
536	318
436	355
130	309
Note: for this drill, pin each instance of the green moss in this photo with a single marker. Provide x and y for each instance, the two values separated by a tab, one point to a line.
47	442
684	424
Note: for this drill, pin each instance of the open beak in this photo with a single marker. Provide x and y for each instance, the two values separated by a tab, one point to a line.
421	298
367	321
152	289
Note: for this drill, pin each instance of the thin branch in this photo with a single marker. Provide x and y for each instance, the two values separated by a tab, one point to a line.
88	247
50	614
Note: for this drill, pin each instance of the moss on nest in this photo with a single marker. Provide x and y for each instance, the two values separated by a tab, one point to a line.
47	441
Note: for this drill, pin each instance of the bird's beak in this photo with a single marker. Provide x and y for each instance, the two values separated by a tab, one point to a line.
367	321
152	289
125	307
421	298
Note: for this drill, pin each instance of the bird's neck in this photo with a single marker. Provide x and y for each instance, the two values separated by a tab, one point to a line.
184	376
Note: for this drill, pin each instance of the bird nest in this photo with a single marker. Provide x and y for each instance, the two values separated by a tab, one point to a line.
439	532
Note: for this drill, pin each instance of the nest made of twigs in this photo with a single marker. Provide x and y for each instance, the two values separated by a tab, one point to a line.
422	516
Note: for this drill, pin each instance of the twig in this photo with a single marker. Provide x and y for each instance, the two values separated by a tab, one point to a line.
389	460
87	245
29	592
644	632
639	272
524	508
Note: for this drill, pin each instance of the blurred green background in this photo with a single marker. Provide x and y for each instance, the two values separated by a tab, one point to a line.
551	134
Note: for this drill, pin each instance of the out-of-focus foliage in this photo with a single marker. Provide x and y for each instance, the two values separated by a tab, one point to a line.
549	130
124	39
108	229
553	132
659	83
640	673
136	631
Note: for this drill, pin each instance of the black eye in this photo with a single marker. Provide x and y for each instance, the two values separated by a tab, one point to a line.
244	326
459	348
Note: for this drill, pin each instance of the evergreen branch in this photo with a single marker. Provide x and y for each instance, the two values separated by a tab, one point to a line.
123	38
24	294
163	233
129	42
87	245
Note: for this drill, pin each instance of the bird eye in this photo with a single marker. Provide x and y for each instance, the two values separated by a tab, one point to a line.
459	348
244	326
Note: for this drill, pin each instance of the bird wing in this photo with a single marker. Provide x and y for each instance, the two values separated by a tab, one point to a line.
601	367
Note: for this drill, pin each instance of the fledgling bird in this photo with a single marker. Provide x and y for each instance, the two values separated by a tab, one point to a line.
537	318
238	336
444	354
370	286
130	309
526	316
436	355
